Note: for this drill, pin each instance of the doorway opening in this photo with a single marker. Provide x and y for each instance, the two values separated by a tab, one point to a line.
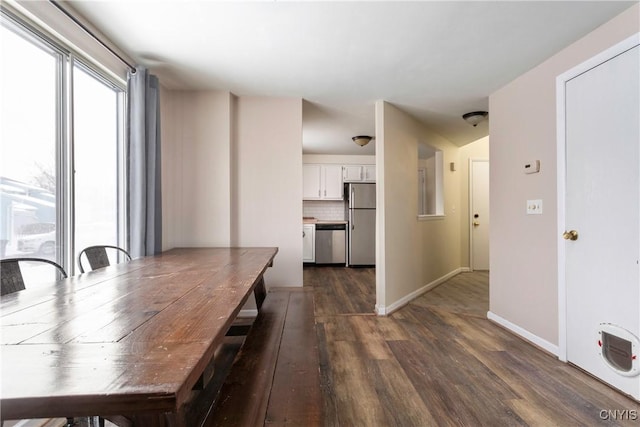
479	214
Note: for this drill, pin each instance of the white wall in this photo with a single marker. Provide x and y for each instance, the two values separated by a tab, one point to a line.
524	285
267	194
412	254
196	139
232	173
171	169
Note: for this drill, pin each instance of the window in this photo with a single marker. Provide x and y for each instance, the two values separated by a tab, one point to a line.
61	156
28	141
430	182
98	108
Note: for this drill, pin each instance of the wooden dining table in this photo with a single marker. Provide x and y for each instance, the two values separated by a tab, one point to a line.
132	339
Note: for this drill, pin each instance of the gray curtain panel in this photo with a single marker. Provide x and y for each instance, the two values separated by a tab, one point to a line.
144	207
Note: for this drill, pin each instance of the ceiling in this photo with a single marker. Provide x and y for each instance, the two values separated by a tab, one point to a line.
433	59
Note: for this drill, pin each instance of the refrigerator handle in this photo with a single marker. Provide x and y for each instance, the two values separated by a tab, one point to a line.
353	225
351	198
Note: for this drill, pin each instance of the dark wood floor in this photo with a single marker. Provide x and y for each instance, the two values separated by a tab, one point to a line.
435	362
438	361
340	290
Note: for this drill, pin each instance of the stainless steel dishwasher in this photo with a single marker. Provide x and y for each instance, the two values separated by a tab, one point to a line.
331	244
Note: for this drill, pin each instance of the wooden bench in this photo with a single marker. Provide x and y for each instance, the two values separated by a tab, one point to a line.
274	377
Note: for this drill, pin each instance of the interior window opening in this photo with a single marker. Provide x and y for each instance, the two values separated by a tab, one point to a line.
430	181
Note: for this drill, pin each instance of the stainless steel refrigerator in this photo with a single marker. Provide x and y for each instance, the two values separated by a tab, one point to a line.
361	209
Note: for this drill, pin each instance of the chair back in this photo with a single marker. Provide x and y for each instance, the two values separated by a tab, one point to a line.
97	256
11	275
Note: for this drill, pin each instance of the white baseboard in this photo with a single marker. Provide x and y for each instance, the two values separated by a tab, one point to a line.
253	312
382	310
532	338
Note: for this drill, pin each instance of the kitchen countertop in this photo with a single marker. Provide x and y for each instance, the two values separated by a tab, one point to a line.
323	221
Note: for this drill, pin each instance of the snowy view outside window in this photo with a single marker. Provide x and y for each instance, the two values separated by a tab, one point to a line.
28	145
32	129
96	162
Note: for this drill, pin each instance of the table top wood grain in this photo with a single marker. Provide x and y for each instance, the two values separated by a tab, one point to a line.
127	339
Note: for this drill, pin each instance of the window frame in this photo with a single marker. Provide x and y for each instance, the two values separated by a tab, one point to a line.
437	185
66	60
121	108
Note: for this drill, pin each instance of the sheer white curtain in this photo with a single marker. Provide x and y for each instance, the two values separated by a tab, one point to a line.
144	205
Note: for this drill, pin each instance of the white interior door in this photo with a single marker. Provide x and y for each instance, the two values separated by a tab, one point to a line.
479	208
602	205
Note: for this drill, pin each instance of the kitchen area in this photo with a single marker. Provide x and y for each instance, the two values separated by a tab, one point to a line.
339	212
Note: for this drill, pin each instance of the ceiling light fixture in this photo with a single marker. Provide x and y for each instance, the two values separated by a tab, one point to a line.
475	117
362	140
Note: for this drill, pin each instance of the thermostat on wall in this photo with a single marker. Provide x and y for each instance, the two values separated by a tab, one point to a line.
532	167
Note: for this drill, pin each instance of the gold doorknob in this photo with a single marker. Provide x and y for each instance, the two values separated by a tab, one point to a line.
476	223
570	235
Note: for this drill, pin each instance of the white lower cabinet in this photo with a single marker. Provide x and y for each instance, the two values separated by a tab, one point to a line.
308	243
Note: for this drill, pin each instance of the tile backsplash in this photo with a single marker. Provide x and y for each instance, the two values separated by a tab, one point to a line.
324	209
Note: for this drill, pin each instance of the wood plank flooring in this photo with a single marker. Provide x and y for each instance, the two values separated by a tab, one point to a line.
340	290
438	362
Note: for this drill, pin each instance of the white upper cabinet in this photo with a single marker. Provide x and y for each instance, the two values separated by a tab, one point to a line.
369	173
359	173
321	182
351	173
311	182
332	182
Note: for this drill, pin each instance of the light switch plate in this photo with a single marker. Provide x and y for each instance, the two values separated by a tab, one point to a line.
534	207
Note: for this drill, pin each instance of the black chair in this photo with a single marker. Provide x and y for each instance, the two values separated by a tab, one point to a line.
98	257
12	281
11	275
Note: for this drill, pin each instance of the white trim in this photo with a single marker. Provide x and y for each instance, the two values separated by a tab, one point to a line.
439	182
604	56
381	244
532	338
250	312
561	81
431	217
382	310
560	195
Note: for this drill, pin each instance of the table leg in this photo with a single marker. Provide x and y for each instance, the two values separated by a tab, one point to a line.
260	292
